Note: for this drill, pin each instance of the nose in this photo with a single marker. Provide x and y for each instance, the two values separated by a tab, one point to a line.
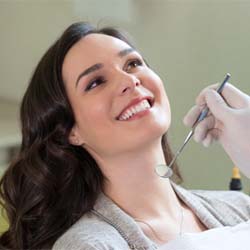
127	83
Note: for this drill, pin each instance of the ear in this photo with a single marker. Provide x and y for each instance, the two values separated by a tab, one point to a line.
74	137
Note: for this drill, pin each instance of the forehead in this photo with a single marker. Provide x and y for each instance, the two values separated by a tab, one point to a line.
91	49
95	46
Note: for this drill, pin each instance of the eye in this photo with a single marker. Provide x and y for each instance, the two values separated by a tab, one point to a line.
97	81
134	63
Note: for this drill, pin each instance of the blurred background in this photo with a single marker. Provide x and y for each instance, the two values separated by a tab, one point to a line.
189	43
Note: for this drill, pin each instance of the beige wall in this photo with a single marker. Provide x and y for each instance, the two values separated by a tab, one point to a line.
190	43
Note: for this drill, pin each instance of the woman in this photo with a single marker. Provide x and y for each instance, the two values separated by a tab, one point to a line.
84	177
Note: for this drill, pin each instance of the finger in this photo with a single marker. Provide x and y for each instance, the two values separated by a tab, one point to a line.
200	99
203	127
191	116
217	105
216	133
234	97
208	140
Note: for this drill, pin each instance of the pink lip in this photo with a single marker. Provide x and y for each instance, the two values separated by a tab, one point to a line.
135	101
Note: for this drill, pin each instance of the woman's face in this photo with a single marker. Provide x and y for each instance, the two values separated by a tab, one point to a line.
103	75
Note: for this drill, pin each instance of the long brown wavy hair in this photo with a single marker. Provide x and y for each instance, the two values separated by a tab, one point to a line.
51	183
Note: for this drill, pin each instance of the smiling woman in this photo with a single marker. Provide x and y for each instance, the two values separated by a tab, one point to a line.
126	82
94	121
68	112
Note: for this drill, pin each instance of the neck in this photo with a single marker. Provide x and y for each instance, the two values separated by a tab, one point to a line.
131	182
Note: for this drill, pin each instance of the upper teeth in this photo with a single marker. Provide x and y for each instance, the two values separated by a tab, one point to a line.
143	105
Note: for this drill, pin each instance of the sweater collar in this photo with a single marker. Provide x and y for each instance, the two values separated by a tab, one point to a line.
108	211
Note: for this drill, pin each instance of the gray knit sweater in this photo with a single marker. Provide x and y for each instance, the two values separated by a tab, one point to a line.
108	227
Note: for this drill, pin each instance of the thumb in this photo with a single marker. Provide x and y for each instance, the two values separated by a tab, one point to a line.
217	105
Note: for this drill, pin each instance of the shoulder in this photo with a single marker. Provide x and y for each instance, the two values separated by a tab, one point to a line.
216	208
232	203
90	233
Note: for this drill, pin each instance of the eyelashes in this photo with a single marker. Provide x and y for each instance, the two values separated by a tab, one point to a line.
135	63
97	81
129	66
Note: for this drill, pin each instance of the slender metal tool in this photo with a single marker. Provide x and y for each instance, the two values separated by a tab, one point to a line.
166	171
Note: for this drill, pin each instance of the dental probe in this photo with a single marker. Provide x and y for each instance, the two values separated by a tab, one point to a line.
166	171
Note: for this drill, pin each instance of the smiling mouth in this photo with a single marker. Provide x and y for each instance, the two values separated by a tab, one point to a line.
137	111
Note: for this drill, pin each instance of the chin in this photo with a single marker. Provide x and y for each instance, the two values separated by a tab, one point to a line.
155	132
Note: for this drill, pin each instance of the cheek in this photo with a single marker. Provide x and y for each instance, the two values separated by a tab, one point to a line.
153	79
92	115
93	120
157	87
165	101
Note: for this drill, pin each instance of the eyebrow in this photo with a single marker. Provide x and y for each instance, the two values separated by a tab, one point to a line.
124	52
98	66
